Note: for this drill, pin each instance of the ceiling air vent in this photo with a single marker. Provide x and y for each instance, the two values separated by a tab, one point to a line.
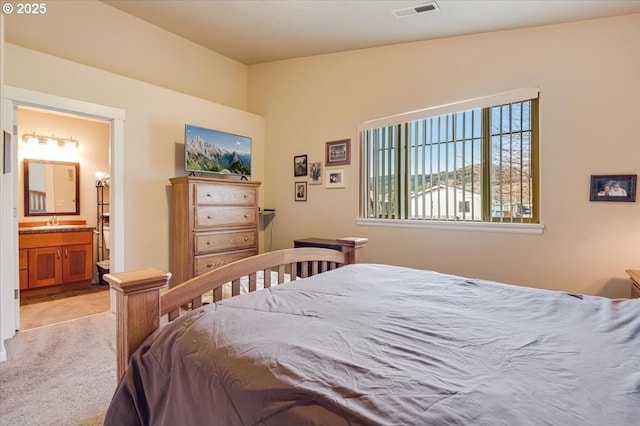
415	10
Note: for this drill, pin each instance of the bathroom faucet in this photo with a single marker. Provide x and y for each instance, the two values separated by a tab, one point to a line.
53	220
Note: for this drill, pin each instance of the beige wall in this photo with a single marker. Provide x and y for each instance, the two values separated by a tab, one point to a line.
95	34
154	138
92	154
587	73
588	77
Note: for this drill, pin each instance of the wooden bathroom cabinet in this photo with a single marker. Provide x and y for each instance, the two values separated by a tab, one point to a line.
52	258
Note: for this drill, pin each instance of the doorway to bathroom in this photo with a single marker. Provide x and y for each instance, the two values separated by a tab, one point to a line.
15	98
44	305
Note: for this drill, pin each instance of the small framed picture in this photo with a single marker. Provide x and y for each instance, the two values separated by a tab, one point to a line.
335	178
300	165
338	153
621	188
315	174
300	191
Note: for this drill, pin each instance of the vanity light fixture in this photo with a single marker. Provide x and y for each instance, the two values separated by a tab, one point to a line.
33	139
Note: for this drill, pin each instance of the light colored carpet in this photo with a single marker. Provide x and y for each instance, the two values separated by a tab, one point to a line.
61	374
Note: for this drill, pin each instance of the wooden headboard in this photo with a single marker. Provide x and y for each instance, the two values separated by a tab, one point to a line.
140	301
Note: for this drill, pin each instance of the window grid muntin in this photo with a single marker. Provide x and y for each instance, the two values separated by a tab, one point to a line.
507	132
442	142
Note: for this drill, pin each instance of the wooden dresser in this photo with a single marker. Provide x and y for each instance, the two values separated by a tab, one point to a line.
635	282
214	222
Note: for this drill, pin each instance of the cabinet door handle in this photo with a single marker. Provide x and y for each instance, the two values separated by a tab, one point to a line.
58	253
66	252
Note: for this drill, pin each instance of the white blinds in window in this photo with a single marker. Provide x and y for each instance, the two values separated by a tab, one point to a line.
480	102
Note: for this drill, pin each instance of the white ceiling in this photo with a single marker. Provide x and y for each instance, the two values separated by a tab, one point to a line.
259	31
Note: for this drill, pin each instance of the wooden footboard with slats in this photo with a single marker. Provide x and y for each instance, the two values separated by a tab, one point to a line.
141	301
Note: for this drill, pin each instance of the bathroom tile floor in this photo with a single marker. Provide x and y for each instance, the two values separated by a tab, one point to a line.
64	306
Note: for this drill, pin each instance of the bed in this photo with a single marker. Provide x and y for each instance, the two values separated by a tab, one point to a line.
356	343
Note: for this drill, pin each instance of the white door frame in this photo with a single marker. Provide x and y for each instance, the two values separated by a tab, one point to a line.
14	97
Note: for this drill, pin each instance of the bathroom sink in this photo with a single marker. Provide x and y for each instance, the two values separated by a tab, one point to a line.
53	227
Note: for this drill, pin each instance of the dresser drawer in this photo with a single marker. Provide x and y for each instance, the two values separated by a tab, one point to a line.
211	217
207	263
224	241
231	195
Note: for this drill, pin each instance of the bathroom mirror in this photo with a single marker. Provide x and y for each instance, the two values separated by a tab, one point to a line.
51	188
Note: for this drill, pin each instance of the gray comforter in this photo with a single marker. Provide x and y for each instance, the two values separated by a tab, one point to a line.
373	344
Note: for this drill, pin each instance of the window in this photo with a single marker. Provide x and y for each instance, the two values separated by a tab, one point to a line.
473	163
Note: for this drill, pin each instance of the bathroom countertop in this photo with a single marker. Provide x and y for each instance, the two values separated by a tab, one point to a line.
54	228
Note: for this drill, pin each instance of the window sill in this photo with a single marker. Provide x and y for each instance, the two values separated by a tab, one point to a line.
511	228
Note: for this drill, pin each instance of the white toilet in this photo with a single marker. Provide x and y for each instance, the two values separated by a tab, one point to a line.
105	236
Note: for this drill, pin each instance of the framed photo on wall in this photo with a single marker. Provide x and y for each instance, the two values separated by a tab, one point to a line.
315	173
620	188
338	153
335	178
300	191
300	165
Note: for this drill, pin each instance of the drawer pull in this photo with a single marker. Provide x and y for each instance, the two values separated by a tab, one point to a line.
208	243
246	238
246	195
209	217
209	265
208	195
246	215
